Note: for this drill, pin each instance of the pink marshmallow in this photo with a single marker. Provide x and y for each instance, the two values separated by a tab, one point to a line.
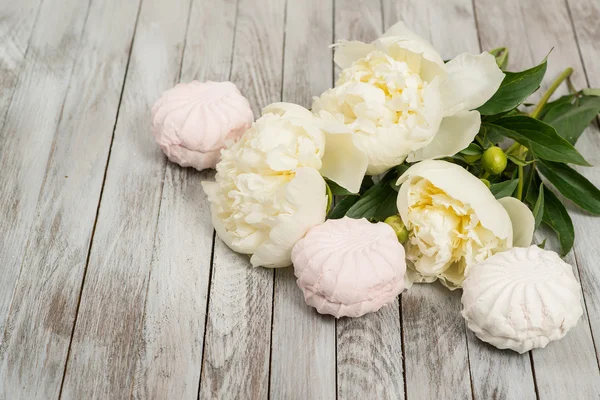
192	121
349	267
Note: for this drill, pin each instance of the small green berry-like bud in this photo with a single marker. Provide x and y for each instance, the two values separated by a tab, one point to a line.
494	160
485	182
398	226
472	158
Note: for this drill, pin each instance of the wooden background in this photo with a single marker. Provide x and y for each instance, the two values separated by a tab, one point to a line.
112	284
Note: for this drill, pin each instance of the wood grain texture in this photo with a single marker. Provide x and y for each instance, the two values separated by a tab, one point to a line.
560	371
436	352
369	355
584	17
28	130
17	21
436	348
107	340
303	360
552	378
45	301
238	330
175	314
369	349
499	374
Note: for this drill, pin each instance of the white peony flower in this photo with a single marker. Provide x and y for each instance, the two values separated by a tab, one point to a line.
398	99
454	222
268	190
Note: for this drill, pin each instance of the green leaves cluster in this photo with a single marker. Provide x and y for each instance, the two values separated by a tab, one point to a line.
544	148
375	201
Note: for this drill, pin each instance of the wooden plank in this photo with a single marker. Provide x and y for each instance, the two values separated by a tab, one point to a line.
237	344
303	360
493	373
567	368
430	313
177	296
18	19
46	296
584	20
369	348
107	339
584	17
29	126
553	377
369	355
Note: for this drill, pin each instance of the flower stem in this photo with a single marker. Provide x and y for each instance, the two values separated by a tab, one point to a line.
564	75
572	89
512	148
521	177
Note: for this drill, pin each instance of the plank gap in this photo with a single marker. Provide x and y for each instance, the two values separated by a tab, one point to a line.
535	384
214	236
272	311
212	258
469	362
87	259
402	344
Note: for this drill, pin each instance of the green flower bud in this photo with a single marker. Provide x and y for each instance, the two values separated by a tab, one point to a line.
472	159
398	226
486	182
493	160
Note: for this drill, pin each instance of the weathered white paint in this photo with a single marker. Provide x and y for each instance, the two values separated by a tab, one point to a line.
175	313
238	331
108	336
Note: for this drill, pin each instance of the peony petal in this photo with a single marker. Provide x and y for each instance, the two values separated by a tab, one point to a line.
404	45
307	192
346	52
454	135
289	109
244	246
472	80
453	277
457	182
409	40
523	222
343	162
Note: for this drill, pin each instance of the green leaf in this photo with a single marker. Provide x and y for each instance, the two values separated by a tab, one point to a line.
342	207
379	202
401	169
540	138
472	150
572	185
518	161
337	190
329	196
556	103
538	208
501	55
557	218
387	208
571	118
489	136
591	91
543	244
515	88
366	184
504	189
